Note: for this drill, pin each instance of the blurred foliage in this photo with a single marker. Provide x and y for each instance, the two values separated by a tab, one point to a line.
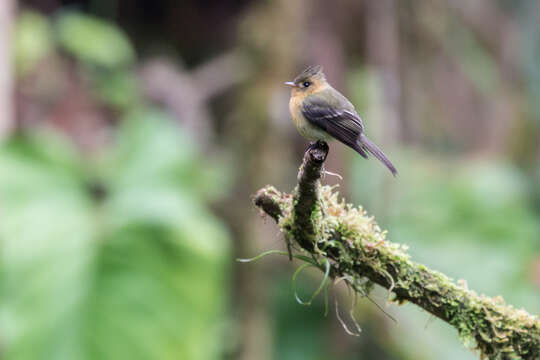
469	220
94	41
107	54
110	259
33	40
104	52
110	254
118	89
470	211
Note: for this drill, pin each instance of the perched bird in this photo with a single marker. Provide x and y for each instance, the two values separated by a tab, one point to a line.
321	113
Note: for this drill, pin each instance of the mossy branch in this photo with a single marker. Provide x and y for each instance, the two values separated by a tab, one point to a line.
313	219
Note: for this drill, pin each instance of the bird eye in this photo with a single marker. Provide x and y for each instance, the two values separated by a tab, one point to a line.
306	84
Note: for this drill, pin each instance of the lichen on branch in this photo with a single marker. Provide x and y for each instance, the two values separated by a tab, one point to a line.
314	220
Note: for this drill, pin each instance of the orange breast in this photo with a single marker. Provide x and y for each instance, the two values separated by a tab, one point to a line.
304	127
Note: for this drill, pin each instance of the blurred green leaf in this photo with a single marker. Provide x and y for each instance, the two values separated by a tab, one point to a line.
138	272
116	88
93	40
151	150
33	40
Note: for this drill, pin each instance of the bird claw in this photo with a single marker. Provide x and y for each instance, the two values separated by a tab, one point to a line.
312	145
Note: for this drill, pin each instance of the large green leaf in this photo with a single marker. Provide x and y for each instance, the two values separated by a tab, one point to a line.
93	40
33	40
138	272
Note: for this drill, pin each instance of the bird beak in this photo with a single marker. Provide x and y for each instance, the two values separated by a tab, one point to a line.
290	83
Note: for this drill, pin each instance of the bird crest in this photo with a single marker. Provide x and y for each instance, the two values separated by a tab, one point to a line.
309	72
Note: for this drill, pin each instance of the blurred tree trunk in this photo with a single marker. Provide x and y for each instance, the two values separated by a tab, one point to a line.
382	39
383	53
7	15
487	21
257	132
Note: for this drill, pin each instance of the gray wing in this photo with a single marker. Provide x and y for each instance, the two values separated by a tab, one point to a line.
336	116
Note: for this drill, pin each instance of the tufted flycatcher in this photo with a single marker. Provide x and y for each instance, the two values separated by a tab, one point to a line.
321	113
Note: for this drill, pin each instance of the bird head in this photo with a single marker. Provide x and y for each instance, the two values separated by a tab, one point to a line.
309	81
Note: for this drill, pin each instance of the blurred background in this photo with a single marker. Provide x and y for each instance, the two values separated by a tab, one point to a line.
133	134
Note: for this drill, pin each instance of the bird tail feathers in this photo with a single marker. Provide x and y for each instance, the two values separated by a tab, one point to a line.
366	144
